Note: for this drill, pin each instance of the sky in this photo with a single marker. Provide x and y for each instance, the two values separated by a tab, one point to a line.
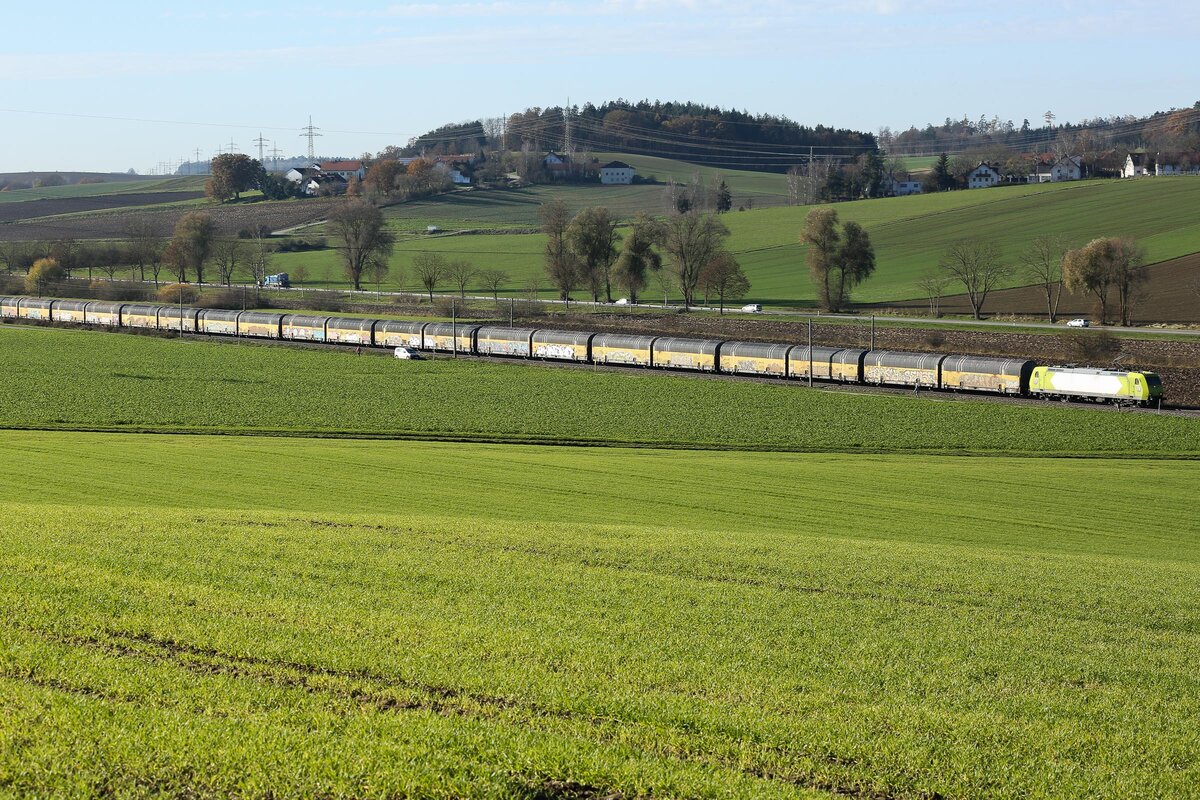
88	86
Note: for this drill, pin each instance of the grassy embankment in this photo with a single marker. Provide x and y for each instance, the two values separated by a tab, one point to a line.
84	380
910	234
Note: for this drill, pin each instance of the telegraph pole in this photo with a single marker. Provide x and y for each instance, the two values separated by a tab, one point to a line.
810	354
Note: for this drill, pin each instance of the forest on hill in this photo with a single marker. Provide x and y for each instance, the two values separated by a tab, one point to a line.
701	134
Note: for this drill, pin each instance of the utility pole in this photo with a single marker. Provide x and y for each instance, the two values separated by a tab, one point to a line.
453	329
261	142
810	354
872	331
310	131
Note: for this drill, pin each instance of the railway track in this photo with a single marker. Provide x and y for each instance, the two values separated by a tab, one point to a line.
937	395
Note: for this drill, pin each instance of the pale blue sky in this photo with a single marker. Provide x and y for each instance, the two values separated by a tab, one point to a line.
377	73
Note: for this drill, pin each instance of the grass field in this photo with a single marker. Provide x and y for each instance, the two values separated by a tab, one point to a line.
910	234
81	379
188	184
212	617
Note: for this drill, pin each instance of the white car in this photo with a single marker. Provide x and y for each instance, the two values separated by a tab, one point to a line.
1078	323
752	308
624	301
407	354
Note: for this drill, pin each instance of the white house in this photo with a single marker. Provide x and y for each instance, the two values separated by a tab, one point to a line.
344	169
906	187
1067	168
983	176
616	172
1135	165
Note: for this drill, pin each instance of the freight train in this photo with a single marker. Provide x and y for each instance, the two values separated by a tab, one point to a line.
1006	376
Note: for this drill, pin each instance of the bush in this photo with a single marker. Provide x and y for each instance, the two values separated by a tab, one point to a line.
176	293
44	271
1097	346
108	290
325	301
301	244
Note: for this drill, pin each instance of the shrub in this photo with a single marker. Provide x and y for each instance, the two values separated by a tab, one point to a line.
44	271
1091	346
107	290
178	293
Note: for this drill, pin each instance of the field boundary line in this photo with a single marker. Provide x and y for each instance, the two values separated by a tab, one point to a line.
546	441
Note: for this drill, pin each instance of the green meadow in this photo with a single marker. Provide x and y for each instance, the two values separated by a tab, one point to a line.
910	234
71	379
211	617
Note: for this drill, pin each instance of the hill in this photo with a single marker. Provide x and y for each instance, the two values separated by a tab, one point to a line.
910	234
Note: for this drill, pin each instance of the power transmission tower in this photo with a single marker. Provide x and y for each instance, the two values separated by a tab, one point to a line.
567	128
261	142
196	168
1050	120
232	147
274	157
311	132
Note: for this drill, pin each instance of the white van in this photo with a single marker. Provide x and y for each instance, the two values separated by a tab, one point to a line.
407	354
752	308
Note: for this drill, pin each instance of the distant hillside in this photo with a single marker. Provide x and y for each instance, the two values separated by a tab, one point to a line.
12	181
701	134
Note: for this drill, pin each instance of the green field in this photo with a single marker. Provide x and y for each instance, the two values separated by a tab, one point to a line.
210	617
185	184
908	605
81	379
910	234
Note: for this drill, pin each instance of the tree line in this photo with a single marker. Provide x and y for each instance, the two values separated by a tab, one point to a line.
684	251
1111	270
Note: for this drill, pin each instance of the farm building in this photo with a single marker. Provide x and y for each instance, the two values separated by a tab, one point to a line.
616	172
1135	165
1066	168
343	169
983	176
901	188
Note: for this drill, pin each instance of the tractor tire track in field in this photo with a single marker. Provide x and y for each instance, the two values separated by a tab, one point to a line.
355	686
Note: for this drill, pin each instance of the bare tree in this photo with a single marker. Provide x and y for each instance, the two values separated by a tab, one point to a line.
724	277
430	269
639	256
691	242
228	255
561	264
978	265
460	274
146	244
493	279
1105	264
934	284
592	236
258	256
1043	262
365	241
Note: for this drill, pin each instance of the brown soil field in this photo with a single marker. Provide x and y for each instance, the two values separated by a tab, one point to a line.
112	224
1171	294
48	207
